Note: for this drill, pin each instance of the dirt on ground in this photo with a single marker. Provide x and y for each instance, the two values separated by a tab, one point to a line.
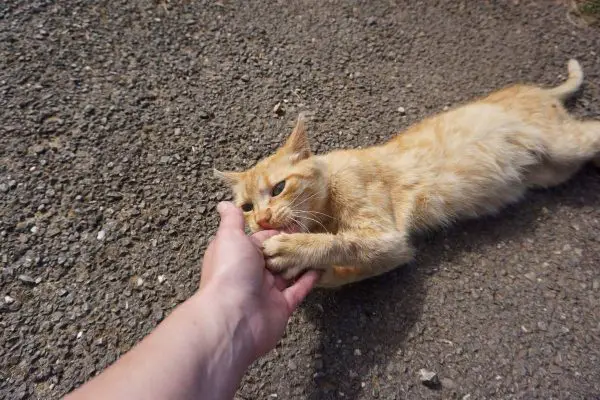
113	113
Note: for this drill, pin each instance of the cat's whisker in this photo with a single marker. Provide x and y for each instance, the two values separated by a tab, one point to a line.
300	224
293	202
312	219
306	199
316	212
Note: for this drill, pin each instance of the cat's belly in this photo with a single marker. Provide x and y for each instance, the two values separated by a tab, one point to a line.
442	207
473	174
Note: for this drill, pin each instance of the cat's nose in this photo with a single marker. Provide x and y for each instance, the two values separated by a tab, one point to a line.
264	219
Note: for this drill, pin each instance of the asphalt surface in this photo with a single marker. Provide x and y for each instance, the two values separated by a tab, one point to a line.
112	115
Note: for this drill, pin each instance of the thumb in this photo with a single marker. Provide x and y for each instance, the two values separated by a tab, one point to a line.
231	216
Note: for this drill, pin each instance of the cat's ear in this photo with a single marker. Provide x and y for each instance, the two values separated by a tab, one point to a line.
229	177
297	145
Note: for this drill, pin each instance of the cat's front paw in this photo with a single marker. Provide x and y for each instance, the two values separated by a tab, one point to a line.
283	256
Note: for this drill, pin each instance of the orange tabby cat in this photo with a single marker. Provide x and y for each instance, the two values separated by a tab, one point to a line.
350	213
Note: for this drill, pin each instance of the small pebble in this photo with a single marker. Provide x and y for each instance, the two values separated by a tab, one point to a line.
29	279
38	148
3	187
8	300
402	110
278	109
88	109
292	365
357	352
79	335
161	278
139	281
101	235
531	276
429	378
34	229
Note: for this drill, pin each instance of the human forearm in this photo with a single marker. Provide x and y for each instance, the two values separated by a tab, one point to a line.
203	353
203	348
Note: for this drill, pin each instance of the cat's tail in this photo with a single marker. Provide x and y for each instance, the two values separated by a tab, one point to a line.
571	85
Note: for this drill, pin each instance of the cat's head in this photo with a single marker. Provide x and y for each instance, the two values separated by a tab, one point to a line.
285	191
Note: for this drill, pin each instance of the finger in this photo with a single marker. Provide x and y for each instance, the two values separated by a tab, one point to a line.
300	289
259	237
280	283
269	279
231	216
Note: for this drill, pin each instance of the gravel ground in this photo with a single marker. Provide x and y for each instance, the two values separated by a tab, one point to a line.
112	115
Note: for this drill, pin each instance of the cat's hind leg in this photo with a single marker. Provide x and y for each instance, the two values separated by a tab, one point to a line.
592	128
566	154
548	174
580	141
577	143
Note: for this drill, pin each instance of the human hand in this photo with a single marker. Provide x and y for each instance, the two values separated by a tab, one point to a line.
234	270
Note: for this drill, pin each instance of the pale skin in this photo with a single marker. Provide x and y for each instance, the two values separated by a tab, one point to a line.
202	350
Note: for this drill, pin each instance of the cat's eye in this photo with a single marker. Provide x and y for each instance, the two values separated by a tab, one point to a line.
277	189
247	207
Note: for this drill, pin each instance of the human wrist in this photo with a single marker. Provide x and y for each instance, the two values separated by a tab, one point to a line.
222	314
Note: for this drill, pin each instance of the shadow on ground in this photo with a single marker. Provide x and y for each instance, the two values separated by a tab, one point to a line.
365	325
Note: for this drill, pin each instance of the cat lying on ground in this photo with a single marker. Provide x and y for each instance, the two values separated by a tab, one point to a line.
351	213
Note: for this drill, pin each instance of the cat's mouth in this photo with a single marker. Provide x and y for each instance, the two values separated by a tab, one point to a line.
291	227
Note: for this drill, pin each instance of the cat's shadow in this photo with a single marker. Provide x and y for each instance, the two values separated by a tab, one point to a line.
362	326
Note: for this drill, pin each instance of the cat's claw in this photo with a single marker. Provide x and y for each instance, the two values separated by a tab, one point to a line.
281	256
